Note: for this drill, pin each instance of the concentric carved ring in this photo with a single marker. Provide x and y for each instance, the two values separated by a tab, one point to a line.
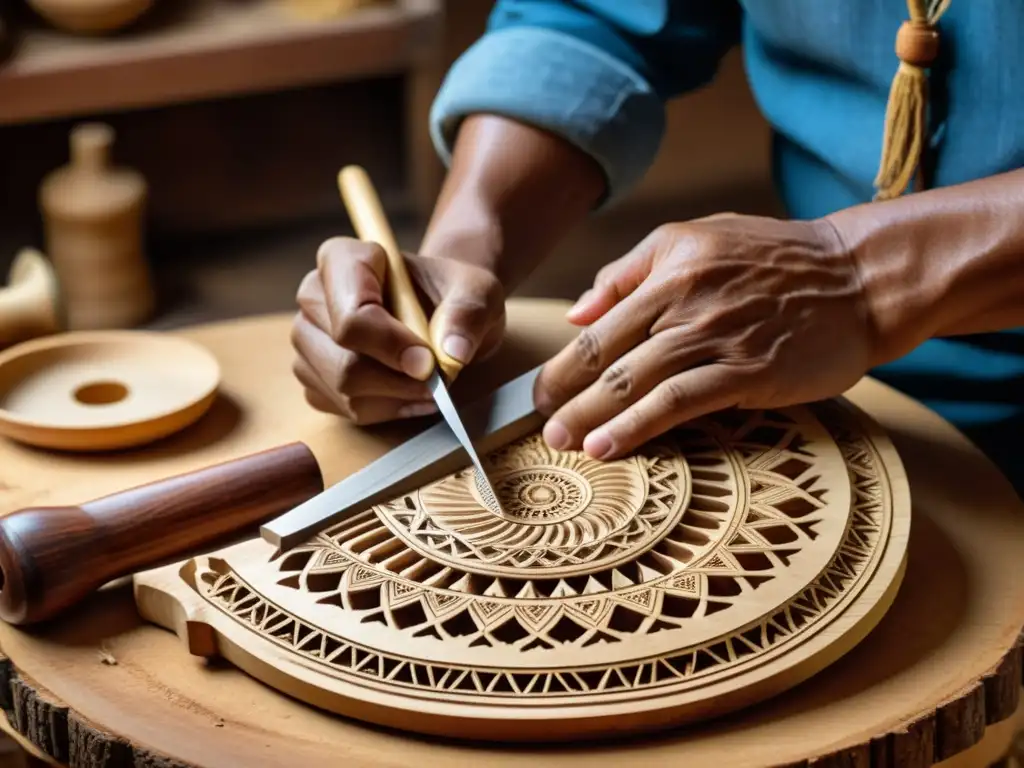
565	513
542	496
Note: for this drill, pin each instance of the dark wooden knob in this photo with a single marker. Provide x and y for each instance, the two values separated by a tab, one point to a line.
52	557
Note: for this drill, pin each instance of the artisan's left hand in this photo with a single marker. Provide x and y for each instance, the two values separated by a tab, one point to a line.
705	315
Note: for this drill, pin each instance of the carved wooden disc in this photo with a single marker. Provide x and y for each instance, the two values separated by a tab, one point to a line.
722	564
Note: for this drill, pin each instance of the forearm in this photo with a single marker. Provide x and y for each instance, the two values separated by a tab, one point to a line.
511	193
944	262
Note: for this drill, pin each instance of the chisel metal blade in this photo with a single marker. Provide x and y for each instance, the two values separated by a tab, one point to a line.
505	415
451	415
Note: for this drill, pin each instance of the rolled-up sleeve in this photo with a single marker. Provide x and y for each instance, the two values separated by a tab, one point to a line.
597	73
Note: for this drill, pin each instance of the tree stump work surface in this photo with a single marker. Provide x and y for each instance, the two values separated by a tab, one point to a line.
102	687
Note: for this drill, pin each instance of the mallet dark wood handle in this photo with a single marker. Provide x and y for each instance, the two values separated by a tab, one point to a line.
52	557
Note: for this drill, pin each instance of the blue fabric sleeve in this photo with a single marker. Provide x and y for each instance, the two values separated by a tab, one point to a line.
596	72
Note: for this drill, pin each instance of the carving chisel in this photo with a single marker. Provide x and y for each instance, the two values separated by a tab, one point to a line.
368	219
505	415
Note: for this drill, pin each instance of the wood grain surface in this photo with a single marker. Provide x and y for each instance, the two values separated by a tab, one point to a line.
944	664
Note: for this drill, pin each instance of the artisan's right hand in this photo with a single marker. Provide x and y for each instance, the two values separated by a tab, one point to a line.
509	195
356	360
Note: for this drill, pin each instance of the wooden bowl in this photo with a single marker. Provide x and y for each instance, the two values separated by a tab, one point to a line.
90	17
103	390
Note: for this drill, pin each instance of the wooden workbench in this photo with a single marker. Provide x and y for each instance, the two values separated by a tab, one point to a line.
938	680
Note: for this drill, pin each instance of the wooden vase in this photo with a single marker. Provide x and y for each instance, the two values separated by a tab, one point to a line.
93	216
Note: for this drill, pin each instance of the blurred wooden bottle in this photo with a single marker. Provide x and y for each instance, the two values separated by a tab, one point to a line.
93	216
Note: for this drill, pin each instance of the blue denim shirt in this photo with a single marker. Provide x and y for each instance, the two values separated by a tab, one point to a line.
599	72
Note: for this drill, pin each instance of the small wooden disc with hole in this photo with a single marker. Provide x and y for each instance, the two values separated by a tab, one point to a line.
718	566
103	390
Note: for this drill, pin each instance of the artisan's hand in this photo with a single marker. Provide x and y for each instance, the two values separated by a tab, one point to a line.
355	359
510	193
701	316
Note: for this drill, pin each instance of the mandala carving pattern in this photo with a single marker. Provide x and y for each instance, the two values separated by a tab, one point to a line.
565	514
432	591
543	496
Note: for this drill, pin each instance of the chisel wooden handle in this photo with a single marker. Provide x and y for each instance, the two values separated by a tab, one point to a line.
52	557
368	219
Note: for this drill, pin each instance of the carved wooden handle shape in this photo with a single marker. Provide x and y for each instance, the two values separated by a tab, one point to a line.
52	557
368	219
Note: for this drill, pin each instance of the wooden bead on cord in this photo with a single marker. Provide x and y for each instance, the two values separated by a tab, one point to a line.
917	44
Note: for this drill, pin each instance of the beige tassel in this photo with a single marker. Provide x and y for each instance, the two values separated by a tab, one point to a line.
917	46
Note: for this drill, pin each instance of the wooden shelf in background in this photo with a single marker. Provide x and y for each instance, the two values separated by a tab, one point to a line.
199	49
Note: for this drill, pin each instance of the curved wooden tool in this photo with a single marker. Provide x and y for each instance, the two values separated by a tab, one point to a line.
371	224
52	557
29	305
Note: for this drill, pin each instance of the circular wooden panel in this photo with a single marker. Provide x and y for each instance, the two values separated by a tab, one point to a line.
723	563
